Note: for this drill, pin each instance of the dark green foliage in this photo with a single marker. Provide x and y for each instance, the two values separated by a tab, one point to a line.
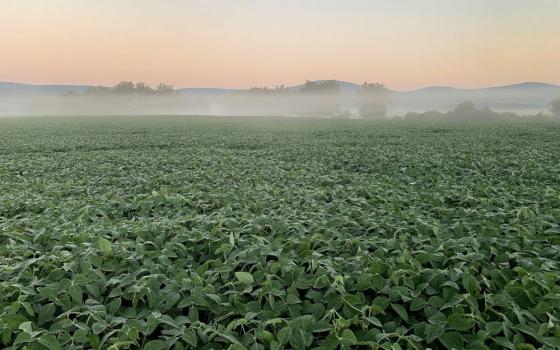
209	233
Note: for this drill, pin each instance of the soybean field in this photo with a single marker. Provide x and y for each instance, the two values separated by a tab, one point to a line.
278	233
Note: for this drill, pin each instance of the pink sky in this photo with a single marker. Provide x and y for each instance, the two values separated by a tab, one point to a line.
405	44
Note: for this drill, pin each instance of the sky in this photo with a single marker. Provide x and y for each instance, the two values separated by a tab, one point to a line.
405	44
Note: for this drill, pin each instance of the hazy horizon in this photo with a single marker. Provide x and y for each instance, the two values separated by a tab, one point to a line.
404	44
294	85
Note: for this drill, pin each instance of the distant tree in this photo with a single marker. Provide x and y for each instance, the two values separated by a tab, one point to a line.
124	88
373	111
144	89
164	89
469	111
375	87
426	116
98	90
373	100
323	86
465	110
318	98
260	90
555	107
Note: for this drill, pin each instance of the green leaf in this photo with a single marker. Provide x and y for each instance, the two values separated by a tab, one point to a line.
265	336
155	345
283	335
470	284
237	347
460	322
363	281
300	339
417	304
189	336
452	341
46	313
434	331
28	308
76	293
104	245
374	321
331	342
494	328
349	337
528	330
99	327
552	341
50	342
22	337
292	299
120	345
244	277
26	327
48	293
230	338
400	310
114	306
503	342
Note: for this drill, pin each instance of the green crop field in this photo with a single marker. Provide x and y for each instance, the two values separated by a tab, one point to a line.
247	233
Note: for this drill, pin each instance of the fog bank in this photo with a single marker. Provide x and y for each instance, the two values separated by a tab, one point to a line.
313	99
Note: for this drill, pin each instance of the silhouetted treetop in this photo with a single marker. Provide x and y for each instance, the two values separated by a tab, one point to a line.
130	88
323	86
375	88
164	89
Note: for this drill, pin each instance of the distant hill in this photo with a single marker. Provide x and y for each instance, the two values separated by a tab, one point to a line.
527	85
527	97
29	89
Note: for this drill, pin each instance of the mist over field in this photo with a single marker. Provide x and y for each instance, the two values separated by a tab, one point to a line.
327	98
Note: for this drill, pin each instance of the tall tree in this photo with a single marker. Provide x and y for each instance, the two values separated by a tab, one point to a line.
319	98
373	100
144	89
164	89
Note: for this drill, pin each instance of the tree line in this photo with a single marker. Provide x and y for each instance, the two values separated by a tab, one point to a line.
129	88
468	111
314	98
